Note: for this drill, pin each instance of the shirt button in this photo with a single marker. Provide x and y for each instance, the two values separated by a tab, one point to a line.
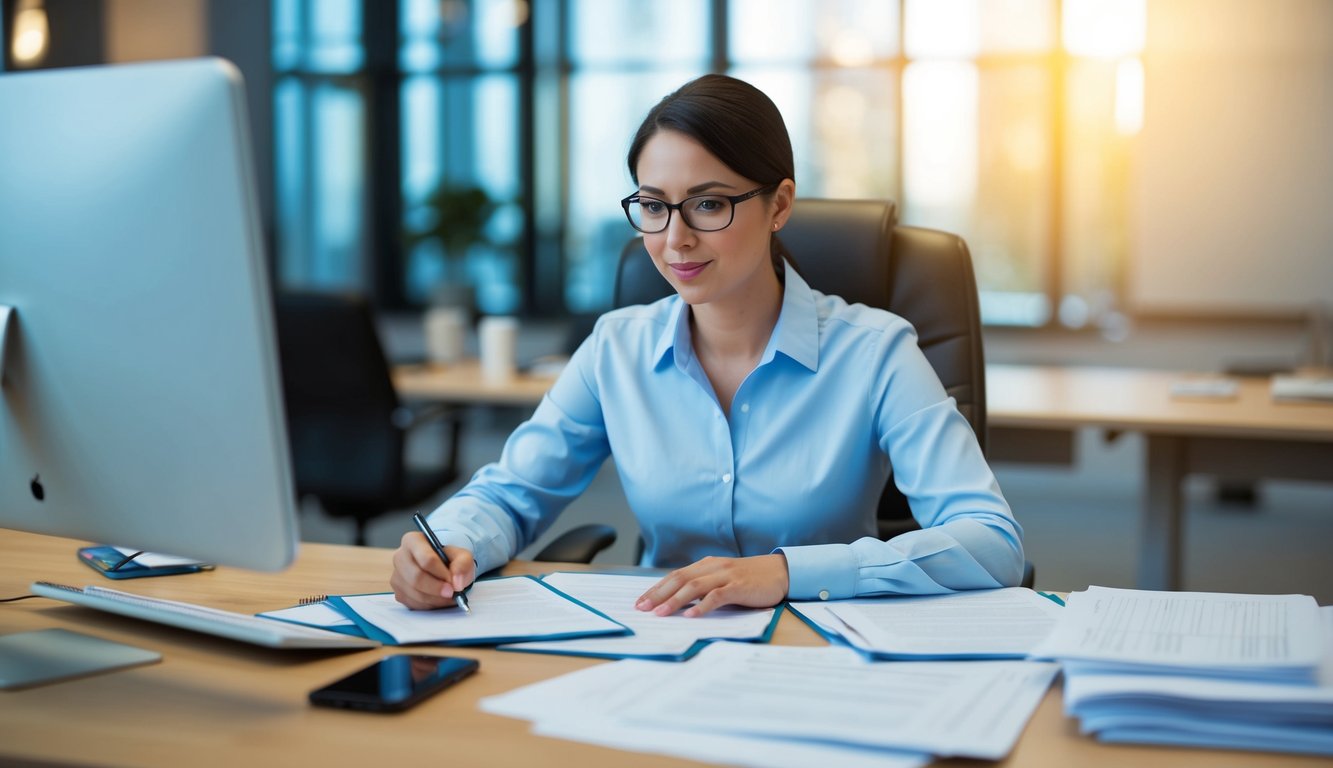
726	478
745	408
823	594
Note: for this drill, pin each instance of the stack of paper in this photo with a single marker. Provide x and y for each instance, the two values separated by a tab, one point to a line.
1199	669
769	705
984	624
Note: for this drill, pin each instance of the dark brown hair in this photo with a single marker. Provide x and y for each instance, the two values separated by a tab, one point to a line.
736	122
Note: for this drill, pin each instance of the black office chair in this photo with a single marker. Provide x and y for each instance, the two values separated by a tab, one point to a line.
855	249
347	429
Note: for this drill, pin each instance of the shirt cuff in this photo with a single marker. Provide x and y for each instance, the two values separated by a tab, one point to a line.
820	571
462	541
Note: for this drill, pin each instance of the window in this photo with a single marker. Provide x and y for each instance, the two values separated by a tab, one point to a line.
978	113
319	142
1006	121
461	133
623	57
386	142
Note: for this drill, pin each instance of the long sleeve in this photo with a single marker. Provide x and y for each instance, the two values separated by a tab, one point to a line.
969	538
546	463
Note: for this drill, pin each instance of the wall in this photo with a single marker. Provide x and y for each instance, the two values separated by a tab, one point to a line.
144	30
1234	175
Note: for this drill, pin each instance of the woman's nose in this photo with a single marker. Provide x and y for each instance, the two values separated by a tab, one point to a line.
679	235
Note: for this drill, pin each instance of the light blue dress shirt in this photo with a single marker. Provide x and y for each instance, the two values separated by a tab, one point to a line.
841	398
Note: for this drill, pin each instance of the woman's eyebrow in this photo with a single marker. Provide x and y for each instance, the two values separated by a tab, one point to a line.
694	190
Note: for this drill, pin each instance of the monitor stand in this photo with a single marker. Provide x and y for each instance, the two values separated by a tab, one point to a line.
44	656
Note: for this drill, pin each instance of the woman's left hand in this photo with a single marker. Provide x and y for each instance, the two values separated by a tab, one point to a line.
752	582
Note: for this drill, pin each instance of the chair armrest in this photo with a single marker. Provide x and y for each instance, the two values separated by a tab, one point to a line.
578	545
408	418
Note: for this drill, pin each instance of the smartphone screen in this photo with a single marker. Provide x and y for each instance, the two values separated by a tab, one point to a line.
394	683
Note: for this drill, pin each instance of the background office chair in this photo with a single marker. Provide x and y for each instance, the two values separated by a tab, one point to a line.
855	249
347	429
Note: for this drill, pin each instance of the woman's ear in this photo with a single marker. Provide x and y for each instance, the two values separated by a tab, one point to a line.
783	198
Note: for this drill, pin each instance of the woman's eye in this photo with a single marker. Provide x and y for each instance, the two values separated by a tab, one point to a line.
654	207
708	205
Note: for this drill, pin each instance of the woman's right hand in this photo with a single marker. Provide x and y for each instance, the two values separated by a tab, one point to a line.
421	581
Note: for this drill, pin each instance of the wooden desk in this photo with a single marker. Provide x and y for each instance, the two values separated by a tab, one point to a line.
215	702
1033	412
1033	409
462	384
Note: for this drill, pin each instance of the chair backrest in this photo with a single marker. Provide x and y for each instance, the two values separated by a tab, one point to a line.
856	250
339	396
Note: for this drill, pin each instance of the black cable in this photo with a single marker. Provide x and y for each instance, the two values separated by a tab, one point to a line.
14	599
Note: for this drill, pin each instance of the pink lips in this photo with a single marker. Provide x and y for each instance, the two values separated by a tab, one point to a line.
688	270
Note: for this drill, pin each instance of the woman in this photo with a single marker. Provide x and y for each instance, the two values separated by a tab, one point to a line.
754	421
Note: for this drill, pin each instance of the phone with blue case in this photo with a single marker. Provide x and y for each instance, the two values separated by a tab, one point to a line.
110	562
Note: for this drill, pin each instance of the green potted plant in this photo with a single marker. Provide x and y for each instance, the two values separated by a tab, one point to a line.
454	217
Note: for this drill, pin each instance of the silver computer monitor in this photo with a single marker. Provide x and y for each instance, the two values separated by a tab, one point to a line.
142	404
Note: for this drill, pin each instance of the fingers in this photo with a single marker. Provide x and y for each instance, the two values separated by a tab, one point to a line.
421	581
756	582
678	588
462	566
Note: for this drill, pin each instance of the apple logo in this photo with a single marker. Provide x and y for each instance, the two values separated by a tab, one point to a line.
38	492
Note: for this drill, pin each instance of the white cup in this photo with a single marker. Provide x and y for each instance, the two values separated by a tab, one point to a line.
446	334
499	348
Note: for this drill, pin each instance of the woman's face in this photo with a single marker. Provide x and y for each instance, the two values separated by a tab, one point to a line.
703	267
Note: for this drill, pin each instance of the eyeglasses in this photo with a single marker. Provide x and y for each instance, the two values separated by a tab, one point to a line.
702	213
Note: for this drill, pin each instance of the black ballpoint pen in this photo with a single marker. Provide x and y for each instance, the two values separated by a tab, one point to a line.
460	597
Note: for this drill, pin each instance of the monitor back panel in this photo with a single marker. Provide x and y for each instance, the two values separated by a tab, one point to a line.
141	397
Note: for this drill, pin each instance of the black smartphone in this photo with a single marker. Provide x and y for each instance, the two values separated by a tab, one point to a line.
121	563
394	683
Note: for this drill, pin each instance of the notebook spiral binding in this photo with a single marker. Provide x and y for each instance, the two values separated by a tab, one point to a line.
312	599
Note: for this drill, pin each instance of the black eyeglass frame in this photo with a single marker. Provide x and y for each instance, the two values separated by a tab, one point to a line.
733	199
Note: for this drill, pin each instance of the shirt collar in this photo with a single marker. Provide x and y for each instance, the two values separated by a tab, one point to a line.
675	334
796	334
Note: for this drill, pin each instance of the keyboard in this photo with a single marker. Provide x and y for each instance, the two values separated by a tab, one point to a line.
270	633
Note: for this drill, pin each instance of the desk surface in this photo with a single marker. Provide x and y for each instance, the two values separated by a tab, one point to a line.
1140	400
463	382
211	701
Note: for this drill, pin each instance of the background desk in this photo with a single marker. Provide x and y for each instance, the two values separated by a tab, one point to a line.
215	702
462	384
1033	413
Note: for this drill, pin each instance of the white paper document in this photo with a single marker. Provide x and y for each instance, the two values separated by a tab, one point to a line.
1208	712
833	695
664	637
1267	637
503	610
585	705
993	623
